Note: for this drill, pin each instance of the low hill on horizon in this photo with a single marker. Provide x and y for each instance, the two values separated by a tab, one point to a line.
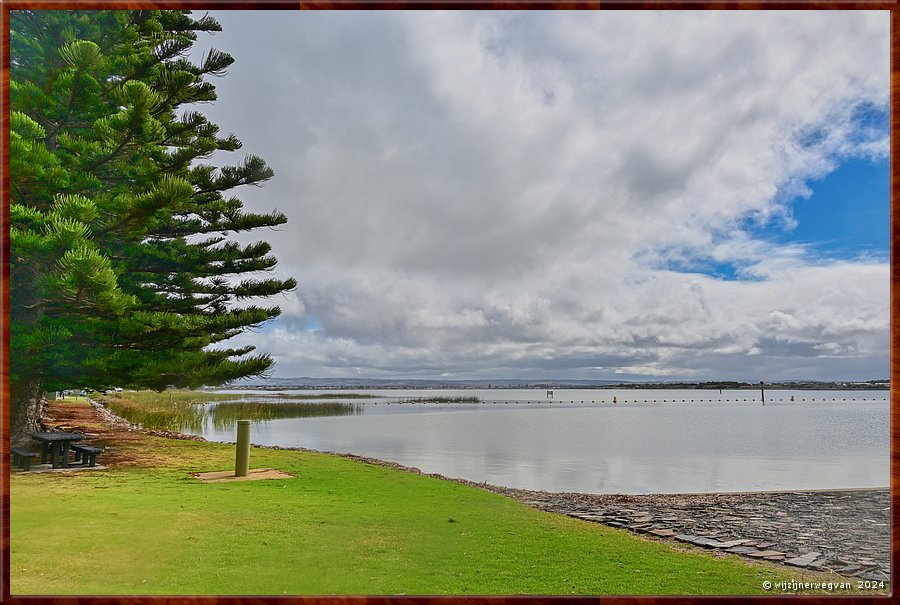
514	383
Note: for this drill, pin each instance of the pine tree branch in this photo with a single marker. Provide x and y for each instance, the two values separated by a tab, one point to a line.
51	136
96	164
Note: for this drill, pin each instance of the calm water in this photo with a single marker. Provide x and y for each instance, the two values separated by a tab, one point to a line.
647	442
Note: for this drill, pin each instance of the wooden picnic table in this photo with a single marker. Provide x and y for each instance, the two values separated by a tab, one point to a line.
55	447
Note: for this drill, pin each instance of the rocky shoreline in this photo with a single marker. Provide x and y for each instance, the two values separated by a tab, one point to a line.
843	531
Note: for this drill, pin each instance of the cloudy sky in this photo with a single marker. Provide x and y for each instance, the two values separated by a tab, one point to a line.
610	195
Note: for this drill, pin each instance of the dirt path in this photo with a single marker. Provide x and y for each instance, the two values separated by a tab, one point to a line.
119	439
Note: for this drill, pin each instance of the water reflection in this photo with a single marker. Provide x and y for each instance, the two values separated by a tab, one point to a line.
224	415
840	440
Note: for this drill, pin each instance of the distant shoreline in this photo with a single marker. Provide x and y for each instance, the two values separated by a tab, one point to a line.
359	384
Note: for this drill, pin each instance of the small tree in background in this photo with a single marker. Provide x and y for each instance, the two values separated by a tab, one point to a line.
121	270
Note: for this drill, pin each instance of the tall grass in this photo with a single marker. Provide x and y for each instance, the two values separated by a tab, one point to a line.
444	399
174	415
193	410
153	398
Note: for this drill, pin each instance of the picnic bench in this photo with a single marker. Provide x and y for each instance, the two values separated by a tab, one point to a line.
87	454
21	457
55	447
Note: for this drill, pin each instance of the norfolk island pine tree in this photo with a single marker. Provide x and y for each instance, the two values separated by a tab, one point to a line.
121	270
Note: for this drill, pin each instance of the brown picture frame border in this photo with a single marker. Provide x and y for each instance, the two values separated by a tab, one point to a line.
9	5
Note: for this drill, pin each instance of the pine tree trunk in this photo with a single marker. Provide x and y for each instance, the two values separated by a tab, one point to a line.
26	410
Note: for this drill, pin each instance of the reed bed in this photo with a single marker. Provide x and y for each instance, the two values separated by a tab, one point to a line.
191	411
226	415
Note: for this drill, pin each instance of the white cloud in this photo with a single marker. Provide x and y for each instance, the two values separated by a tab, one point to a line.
496	193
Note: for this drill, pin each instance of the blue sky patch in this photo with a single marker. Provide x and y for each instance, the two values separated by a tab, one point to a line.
847	215
683	261
870	122
705	266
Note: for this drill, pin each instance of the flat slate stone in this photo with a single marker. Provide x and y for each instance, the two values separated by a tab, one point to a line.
798	562
665	533
741	550
764	554
685	538
698	540
803	560
731	543
707	542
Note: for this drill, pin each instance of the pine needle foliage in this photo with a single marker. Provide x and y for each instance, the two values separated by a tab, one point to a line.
122	273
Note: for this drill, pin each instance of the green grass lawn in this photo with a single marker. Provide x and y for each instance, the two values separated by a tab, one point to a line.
340	526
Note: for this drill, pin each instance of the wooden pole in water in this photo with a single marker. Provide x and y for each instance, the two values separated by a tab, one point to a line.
242	456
